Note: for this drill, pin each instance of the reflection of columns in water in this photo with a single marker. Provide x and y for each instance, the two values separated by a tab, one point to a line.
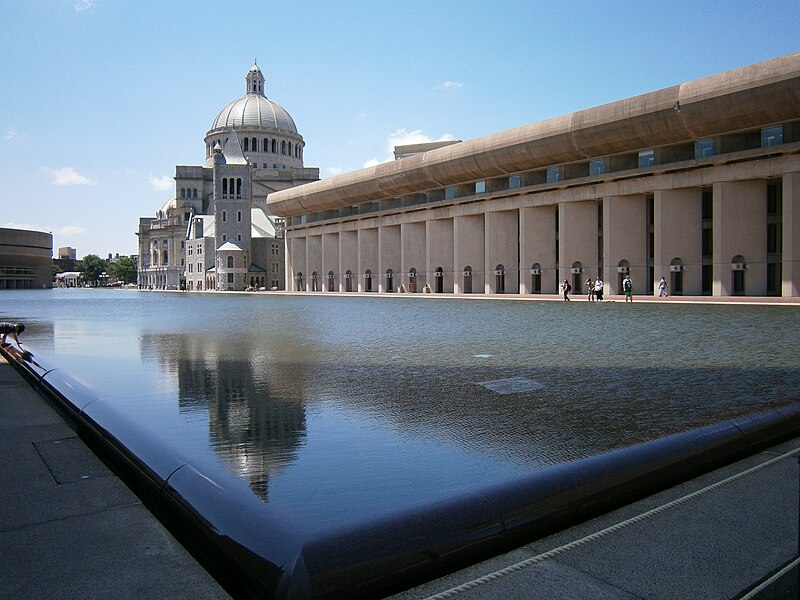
254	432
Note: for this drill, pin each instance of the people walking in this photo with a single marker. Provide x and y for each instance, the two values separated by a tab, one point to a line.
627	288
662	287
598	289
565	289
590	287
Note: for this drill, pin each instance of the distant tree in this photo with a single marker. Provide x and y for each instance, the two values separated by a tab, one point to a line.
124	269
90	267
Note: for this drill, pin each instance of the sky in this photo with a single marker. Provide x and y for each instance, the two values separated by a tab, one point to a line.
101	99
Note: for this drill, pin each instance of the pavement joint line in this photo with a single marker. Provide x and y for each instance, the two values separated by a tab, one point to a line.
608	530
768	582
71	517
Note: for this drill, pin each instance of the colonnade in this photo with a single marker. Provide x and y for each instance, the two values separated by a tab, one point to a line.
714	233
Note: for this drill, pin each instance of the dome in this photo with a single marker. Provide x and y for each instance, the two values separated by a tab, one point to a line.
254	109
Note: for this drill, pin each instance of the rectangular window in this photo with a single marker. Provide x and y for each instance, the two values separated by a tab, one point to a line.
597	166
704	148
647	158
480	187
186	216
773	238
514	182
224	215
199	267
449	193
230	277
553	174
771	136
191	268
239	216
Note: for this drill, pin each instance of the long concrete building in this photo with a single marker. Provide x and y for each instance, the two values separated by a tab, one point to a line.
698	183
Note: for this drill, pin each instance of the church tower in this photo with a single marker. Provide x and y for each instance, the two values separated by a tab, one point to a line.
232	203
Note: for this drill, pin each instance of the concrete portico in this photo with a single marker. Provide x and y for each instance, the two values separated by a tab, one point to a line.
698	183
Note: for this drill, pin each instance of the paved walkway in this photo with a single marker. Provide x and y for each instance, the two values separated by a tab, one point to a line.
69	528
697	540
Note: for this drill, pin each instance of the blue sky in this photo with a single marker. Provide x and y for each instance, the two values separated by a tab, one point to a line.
100	99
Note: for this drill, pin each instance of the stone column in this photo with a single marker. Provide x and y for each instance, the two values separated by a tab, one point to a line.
790	269
413	255
537	243
313	262
625	239
502	248
368	258
577	240
740	229
439	247
330	261
389	256
296	262
468	251
678	223
348	260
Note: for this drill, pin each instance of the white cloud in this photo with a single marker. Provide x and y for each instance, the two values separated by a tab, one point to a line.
12	135
162	184
449	85
67	176
12	225
372	162
81	5
71	230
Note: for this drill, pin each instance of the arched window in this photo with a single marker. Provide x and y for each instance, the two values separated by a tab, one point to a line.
230	262
412	280
239	188
623	270
676	276
536	278
331	281
254	144
165	257
183	193
194	193
274	146
266	145
283	146
289	148
577	274
500	279
467	287
224	188
438	275
314	282
348	281
389	280
246	144
368	281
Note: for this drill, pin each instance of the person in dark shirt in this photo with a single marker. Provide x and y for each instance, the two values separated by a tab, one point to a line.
14	329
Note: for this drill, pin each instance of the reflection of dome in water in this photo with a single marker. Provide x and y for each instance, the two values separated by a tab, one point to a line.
254	109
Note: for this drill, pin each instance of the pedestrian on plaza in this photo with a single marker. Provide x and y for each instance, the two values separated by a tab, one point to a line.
590	287
565	288
598	289
627	288
662	288
14	329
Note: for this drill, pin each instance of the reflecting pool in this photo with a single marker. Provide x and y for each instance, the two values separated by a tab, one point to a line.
338	409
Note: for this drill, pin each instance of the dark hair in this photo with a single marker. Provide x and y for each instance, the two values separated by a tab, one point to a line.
19	327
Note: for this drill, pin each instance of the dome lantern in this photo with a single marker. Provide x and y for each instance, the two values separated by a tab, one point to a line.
255	80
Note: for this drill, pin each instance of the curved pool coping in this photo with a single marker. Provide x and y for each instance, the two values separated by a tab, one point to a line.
254	553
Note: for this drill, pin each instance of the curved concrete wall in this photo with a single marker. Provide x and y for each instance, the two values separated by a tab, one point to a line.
767	92
257	553
25	249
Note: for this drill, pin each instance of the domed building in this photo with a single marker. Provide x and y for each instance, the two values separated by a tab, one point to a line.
215	232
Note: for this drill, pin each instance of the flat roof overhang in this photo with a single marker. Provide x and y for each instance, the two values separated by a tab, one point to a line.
752	96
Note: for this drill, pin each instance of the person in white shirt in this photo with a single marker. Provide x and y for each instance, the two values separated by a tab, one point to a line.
598	289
